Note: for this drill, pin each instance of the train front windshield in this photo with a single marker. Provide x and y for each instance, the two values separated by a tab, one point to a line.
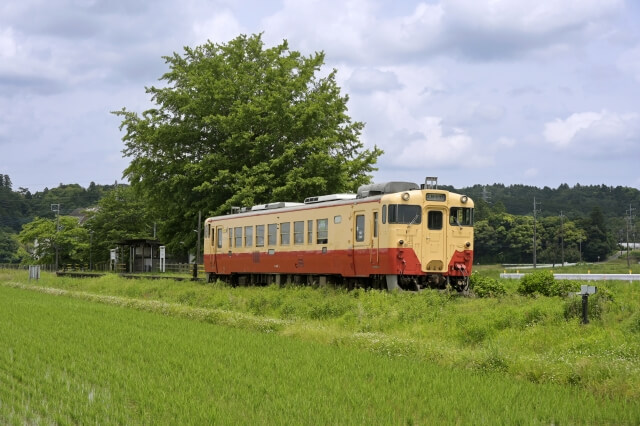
403	214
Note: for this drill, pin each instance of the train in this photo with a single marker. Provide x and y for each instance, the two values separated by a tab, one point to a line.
391	235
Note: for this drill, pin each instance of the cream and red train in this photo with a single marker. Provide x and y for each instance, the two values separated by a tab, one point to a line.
390	235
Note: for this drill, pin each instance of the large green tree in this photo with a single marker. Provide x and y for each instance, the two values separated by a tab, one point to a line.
120	215
238	124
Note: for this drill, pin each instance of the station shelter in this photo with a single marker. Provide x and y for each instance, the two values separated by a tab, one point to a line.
139	255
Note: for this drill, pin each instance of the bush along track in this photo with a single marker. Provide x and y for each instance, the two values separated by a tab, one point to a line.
535	338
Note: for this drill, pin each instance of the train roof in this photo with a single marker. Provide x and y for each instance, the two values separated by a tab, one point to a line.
366	193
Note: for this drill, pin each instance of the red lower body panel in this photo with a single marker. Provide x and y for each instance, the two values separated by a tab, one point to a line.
348	263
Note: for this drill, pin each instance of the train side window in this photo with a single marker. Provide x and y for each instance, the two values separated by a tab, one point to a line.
298	232
434	220
259	235
230	231
323	231
310	232
238	235
461	216
375	224
208	233
384	214
248	236
285	233
220	237
272	234
360	227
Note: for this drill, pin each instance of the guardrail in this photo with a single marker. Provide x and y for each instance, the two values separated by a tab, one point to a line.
581	277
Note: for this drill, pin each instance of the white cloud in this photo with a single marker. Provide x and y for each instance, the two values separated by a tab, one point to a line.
433	145
607	130
360	31
341	27
523	16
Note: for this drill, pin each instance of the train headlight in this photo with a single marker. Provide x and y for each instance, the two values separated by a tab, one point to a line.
405	196
468	244
464	199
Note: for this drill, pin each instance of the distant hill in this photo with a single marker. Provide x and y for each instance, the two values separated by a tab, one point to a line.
21	206
574	202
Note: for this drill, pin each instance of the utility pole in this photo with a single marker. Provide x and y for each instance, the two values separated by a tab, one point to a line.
90	248
56	208
629	219
562	236
198	242
535	211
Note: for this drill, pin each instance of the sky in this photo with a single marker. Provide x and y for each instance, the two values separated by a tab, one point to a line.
538	93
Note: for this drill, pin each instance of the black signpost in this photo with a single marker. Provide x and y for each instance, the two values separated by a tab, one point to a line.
585	291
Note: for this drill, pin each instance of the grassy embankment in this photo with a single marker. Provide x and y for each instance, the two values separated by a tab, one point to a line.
474	358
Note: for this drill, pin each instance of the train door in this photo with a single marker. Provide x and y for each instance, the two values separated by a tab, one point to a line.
433	249
361	247
216	247
374	253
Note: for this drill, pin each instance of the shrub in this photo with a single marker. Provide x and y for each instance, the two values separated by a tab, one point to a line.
536	282
483	286
544	283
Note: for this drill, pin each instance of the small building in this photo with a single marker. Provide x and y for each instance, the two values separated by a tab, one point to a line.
143	254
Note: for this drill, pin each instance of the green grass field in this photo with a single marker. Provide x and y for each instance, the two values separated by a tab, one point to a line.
108	350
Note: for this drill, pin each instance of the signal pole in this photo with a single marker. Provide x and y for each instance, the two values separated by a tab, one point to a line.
629	219
535	210
562	236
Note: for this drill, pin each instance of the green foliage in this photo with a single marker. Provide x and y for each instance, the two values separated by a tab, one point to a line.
239	124
596	307
600	245
120	215
537	282
8	247
484	286
14	209
591	217
543	282
40	240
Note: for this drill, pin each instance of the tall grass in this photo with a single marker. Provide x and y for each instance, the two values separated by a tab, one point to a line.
534	339
69	361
